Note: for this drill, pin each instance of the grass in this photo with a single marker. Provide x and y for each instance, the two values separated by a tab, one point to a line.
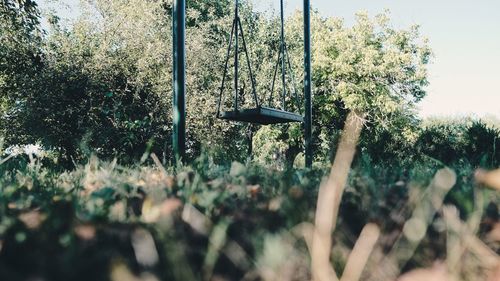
104	221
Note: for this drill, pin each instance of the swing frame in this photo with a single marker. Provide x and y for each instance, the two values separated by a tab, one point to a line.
260	114
179	82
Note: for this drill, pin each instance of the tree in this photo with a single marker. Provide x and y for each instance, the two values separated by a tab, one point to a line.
20	55
105	82
459	141
373	71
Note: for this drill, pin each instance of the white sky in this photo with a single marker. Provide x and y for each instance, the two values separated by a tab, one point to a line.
464	34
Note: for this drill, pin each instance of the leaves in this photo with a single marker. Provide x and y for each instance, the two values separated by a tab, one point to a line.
372	67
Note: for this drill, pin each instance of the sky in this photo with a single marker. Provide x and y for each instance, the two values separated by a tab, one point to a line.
464	34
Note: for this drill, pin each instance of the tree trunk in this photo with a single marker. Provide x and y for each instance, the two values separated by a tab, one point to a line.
250	134
291	153
329	198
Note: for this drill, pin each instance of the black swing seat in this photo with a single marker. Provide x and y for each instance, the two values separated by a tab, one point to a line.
262	115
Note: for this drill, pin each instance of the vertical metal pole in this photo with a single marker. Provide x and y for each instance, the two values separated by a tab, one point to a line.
179	80
283	67
307	84
236	55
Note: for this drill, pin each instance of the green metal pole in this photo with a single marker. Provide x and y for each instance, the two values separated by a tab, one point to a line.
179	80
236	56
282	50
308	84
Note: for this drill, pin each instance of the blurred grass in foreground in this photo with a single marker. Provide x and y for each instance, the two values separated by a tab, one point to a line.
103	221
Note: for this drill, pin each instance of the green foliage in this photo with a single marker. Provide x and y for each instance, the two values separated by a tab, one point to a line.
394	143
91	216
20	56
456	141
116	200
372	67
104	84
277	146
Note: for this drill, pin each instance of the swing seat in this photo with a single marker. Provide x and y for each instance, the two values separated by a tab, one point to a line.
262	115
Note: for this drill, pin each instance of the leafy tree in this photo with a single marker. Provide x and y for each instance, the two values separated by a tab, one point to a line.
394	143
458	141
19	17
374	72
371	71
105	82
20	56
279	146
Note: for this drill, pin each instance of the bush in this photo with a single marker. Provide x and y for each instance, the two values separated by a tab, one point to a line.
455	141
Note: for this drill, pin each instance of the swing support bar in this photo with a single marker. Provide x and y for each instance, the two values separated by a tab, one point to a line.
179	81
307	85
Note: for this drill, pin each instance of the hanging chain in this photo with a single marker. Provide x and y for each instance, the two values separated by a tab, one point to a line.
236	29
